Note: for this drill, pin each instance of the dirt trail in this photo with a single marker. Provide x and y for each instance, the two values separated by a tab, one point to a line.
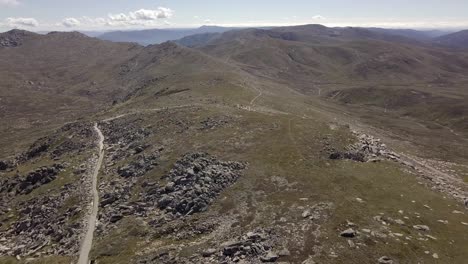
88	239
260	93
149	110
293	140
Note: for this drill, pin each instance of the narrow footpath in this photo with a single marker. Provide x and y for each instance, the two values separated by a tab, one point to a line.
88	239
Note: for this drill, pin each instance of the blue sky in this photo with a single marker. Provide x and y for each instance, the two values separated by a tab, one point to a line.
128	14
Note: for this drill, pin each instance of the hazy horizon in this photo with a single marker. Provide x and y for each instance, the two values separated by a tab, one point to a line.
50	15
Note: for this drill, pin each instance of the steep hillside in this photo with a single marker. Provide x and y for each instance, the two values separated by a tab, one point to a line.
318	60
58	77
419	35
455	40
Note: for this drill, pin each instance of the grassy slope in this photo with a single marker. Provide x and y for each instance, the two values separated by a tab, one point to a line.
290	147
55	78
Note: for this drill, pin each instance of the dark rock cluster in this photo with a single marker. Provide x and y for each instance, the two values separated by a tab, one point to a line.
139	166
192	185
33	180
195	181
253	247
214	122
36	149
366	149
12	38
122	133
356	156
77	140
6	165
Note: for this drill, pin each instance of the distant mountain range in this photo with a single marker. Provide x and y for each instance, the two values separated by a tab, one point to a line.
157	36
455	40
192	37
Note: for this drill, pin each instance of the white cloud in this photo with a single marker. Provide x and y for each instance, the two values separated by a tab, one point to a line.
143	17
318	17
71	22
119	17
15	22
9	2
145	14
94	22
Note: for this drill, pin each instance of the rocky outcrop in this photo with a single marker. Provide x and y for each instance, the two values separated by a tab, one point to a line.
139	167
258	246
36	149
367	149
6	165
13	38
44	227
76	140
214	122
195	181
33	180
191	186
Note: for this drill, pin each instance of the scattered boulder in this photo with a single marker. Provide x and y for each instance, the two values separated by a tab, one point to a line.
209	252
269	257
421	227
5	165
385	260
115	218
284	252
348	233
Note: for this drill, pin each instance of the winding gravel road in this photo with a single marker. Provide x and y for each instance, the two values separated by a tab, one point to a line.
88	239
